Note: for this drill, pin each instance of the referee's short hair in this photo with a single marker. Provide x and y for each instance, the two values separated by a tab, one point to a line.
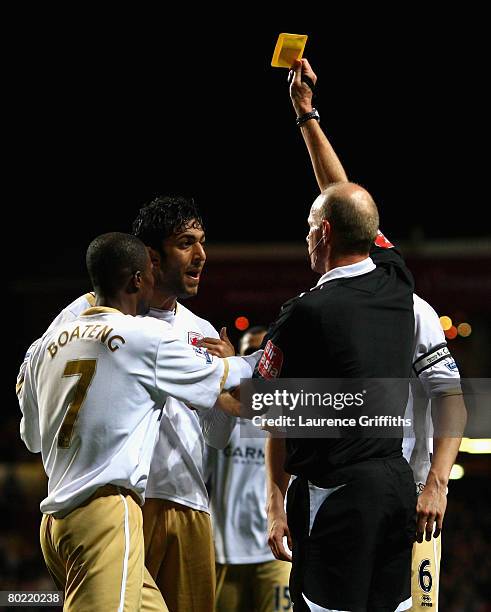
111	258
353	215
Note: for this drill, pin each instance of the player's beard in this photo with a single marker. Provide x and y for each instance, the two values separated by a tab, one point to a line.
187	292
174	286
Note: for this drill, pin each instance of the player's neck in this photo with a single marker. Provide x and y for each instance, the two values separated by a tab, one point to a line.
163	302
126	305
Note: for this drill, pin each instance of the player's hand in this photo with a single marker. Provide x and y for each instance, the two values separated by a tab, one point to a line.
220	347
430	509
227	403
277	530
300	93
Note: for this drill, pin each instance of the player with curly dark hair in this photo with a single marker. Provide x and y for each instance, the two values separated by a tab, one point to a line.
178	539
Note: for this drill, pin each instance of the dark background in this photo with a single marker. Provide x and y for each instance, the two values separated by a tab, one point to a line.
111	113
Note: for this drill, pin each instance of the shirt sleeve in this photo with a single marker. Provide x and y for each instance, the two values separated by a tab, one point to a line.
384	253
433	363
27	396
217	427
281	344
193	376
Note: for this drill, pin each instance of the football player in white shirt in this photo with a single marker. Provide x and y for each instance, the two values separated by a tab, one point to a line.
435	369
91	391
178	538
249	578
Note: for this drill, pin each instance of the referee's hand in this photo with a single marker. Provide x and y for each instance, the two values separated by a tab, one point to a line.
430	510
300	92
278	529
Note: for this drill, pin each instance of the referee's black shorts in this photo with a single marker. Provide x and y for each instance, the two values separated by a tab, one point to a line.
352	537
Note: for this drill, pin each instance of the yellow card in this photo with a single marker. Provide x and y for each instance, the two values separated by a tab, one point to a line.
289	47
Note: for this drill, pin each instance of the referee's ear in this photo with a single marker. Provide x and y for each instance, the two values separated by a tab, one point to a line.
326	230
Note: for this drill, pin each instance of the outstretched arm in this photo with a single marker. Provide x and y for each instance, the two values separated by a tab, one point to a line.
27	396
327	167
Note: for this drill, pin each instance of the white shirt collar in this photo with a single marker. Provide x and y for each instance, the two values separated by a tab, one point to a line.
361	267
163	315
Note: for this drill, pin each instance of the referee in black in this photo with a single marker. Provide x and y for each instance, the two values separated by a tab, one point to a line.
351	508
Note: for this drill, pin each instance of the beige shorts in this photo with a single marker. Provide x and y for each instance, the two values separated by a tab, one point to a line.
254	587
95	554
179	554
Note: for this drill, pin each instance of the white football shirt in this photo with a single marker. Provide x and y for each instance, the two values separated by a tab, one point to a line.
92	396
177	470
238	497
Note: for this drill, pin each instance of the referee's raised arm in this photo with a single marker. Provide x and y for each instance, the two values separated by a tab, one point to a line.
327	167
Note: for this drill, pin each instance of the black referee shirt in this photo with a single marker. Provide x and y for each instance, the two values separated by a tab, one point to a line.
354	327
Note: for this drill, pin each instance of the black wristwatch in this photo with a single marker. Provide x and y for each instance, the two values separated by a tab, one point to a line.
307	116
